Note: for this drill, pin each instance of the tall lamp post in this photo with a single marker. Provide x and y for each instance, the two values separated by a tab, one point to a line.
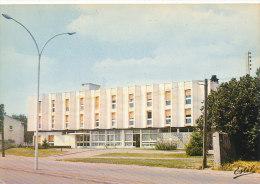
38	81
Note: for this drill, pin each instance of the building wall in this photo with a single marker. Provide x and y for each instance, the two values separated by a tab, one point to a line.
122	109
13	129
32	113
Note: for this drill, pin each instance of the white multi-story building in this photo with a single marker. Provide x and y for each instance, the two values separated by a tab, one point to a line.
122	117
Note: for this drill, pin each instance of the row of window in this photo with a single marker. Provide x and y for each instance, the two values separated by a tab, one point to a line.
113	119
131	101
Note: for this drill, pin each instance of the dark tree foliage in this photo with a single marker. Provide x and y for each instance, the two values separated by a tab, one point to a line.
235	109
45	144
28	136
258	72
195	146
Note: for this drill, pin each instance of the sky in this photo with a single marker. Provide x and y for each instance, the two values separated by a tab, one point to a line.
122	45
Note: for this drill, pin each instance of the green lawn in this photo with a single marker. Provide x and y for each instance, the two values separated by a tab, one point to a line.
29	152
171	163
150	155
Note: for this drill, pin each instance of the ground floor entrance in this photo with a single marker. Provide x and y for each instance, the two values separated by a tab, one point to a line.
114	138
136	140
82	140
117	138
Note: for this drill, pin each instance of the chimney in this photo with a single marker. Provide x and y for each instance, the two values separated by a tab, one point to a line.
214	79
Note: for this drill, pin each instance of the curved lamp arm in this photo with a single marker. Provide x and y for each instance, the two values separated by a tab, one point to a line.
39	53
8	17
52	38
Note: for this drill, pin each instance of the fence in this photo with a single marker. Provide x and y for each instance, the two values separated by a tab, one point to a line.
179	138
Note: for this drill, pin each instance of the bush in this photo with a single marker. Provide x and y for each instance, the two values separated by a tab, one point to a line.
165	145
195	146
45	144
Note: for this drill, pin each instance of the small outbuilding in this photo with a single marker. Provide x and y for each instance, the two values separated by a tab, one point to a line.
13	130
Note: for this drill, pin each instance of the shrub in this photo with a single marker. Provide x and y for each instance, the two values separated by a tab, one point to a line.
195	146
45	144
165	145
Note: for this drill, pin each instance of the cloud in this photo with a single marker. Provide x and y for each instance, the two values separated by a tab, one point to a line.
192	42
18	73
170	67
16	65
137	23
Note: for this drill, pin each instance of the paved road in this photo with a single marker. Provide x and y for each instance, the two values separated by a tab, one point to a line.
17	169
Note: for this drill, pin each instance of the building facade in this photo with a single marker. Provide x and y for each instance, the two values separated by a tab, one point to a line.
13	130
117	117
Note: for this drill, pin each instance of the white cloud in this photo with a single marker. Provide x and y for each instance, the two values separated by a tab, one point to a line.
18	78
131	23
192	42
170	67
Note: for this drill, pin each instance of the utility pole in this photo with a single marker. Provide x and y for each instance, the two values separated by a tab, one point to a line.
204	162
248	63
2	128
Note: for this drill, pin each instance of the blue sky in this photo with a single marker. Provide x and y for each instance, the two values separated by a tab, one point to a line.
122	45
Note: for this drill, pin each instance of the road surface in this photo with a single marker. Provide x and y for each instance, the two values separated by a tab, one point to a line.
18	169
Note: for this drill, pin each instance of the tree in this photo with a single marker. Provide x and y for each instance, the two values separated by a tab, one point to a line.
258	72
195	146
45	144
28	136
235	109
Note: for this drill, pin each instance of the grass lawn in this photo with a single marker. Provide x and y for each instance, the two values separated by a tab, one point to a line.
247	166
29	152
170	163
150	155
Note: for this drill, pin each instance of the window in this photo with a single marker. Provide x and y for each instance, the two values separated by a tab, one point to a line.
113	106
67	121
149	118
188	96
39	139
81	104
10	127
113	101
40	122
168	117
168	98
131	105
97	119
131	100
97	102
81	120
67	104
188	116
52	122
131	118
40	106
53	105
113	119
149	99
50	138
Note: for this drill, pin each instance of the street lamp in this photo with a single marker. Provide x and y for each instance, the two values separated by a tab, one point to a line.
38	81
